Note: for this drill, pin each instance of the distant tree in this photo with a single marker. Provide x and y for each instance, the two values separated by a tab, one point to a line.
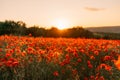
77	32
42	32
53	32
34	31
19	28
12	27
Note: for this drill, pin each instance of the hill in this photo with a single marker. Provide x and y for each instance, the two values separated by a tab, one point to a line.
106	29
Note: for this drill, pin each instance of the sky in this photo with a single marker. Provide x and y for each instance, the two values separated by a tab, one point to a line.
47	13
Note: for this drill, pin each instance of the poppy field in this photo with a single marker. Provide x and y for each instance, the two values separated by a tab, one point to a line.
29	58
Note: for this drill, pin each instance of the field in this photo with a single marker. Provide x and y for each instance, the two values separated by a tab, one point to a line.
29	58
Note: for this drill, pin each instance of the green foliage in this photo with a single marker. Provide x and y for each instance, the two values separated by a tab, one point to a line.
19	28
104	35
12	27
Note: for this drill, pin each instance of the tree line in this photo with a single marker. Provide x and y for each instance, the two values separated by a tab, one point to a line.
10	27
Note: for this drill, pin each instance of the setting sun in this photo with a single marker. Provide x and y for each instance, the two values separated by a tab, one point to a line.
61	24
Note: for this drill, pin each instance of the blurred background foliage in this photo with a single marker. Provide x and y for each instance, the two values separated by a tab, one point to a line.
10	27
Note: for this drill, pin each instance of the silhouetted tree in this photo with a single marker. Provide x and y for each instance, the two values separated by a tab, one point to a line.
34	31
12	27
19	28
53	32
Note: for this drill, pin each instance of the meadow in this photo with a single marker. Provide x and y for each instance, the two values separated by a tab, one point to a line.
30	58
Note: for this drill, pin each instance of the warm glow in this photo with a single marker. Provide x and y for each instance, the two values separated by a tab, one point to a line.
62	13
61	24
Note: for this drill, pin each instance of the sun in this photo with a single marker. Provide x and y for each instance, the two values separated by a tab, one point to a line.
61	24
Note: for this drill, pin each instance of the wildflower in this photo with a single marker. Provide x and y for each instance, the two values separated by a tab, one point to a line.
14	63
89	64
0	49
74	71
9	63
101	78
8	55
75	54
117	63
92	77
30	35
92	57
1	63
96	52
62	63
85	78
106	67
55	73
79	60
106	58
82	50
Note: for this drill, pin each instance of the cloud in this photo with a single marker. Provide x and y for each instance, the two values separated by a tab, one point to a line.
93	9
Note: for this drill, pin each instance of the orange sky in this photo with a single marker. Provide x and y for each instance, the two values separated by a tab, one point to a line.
57	12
